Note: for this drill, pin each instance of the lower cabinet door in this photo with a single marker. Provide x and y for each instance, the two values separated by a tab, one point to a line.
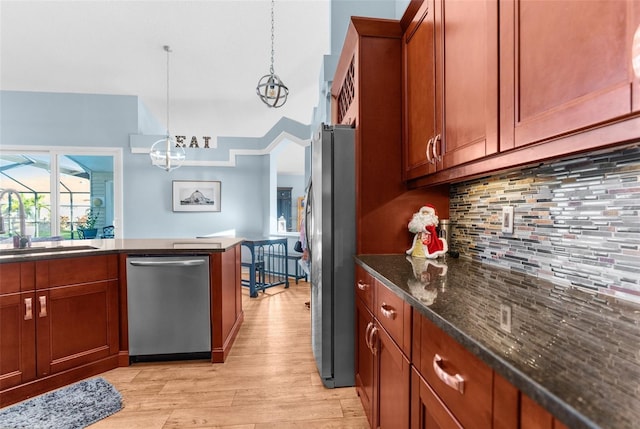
76	325
533	416
364	359
393	382
427	410
17	340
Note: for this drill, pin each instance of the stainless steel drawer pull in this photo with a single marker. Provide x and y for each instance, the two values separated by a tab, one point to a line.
28	308
363	286
43	306
456	381
388	311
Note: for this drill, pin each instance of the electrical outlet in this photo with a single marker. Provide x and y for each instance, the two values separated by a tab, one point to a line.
505	317
507	219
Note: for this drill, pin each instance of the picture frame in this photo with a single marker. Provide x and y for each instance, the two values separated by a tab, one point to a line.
196	196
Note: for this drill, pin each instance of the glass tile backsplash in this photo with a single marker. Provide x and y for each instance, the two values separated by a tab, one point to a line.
576	221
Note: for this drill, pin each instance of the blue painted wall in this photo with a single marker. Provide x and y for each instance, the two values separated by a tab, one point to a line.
85	120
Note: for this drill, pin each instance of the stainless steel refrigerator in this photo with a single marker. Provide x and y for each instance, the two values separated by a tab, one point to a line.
330	228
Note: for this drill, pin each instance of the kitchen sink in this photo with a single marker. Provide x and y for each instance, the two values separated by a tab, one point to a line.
30	250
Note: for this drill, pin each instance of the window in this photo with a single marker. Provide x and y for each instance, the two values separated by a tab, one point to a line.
59	189
284	210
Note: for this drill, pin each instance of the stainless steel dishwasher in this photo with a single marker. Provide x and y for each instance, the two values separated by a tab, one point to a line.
168	307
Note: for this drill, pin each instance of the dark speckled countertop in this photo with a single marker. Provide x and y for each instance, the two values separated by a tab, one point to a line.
146	246
575	353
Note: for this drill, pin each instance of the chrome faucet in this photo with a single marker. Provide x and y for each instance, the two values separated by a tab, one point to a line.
22	240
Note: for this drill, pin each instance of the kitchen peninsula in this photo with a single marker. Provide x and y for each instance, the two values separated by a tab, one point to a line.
63	307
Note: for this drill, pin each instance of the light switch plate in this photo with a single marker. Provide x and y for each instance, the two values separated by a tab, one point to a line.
507	219
505	317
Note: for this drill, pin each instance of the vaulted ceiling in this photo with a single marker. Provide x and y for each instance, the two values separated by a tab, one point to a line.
220	49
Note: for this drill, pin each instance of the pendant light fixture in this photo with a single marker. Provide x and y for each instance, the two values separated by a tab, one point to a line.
165	153
271	90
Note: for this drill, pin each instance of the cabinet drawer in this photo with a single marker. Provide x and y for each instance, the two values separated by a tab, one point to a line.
427	410
70	271
16	277
394	314
364	287
461	380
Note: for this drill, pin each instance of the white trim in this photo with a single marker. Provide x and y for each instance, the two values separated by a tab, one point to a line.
234	153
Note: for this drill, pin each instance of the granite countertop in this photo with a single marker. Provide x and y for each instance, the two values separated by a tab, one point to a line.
66	248
575	353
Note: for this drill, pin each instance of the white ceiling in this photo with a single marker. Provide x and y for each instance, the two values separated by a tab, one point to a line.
221	48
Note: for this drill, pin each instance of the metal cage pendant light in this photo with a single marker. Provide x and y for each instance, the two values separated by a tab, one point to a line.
271	90
165	153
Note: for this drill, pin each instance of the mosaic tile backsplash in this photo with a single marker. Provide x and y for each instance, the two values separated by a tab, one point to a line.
576	221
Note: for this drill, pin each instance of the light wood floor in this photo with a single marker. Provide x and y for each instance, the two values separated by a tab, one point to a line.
268	381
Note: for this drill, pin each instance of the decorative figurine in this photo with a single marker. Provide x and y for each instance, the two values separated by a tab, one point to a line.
426	243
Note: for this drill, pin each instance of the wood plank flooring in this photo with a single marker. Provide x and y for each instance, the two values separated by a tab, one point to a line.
268	381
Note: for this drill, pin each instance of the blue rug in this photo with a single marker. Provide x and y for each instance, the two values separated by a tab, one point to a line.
71	407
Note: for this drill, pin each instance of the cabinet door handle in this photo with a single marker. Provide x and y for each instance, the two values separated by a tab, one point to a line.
456	381
388	311
28	308
43	306
437	157
366	335
429	150
363	286
373	346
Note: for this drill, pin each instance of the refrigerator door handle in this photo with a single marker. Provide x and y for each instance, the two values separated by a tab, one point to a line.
308	204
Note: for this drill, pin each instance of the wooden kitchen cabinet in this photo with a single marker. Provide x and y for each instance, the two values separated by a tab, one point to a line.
419	90
77	312
460	380
69	329
364	359
17	325
382	368
451	388
514	409
367	94
427	410
533	416
392	382
450	58
226	301
566	67
557	76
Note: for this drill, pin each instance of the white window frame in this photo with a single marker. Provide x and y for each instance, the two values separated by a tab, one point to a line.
58	151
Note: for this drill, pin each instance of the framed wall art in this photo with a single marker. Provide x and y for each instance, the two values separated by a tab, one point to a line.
196	196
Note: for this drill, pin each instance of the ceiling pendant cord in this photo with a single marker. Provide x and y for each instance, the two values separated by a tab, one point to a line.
273	37
165	153
271	90
167	49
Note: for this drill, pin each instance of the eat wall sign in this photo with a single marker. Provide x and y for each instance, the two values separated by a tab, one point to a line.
180	142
